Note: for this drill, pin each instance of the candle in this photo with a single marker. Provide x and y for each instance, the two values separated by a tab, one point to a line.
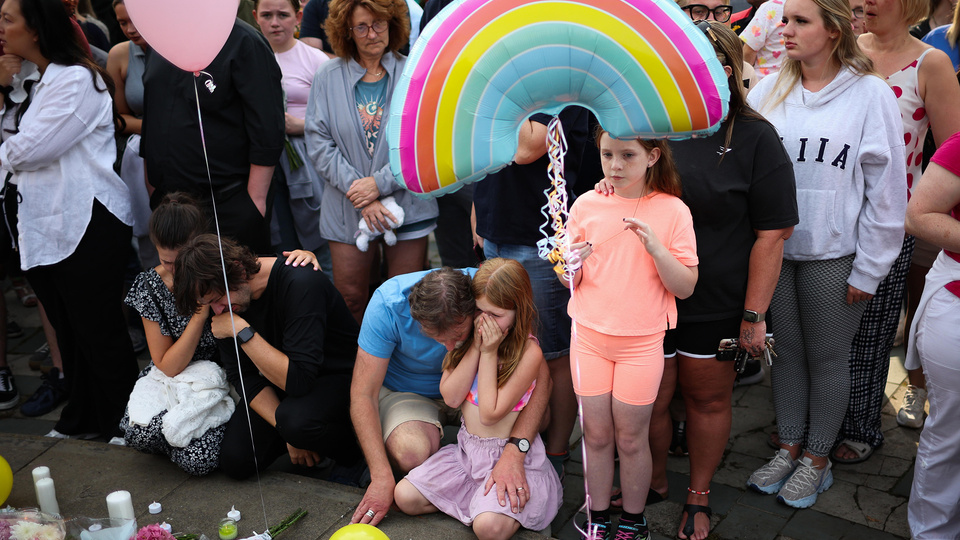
166	526
47	496
120	505
40	473
227	529
155	507
234	514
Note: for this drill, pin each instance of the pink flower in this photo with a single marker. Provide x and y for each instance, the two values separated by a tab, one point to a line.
153	532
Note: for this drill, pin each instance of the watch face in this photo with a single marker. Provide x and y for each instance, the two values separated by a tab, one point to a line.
524	445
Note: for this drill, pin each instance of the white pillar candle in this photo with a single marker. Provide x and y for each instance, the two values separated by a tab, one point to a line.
40	472
47	496
120	505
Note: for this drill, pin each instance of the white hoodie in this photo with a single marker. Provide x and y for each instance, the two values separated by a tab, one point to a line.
846	142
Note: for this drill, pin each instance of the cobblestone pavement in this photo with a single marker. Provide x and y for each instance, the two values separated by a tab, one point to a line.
867	500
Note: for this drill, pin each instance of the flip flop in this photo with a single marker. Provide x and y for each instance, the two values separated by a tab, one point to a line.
689	527
863	452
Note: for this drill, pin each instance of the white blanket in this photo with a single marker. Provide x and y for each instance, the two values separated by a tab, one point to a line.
196	400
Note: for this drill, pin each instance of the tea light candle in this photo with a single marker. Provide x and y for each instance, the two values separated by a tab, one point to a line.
120	505
234	514
166	526
227	529
47	496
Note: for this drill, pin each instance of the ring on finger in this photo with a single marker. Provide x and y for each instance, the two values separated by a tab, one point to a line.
370	513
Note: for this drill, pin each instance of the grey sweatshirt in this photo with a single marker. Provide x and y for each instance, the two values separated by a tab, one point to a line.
846	141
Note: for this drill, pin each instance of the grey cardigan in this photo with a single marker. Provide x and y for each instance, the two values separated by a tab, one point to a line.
337	147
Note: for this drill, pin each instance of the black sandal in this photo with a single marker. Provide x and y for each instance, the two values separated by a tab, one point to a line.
692	510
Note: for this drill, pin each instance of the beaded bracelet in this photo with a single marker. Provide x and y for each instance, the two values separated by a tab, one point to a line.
695	492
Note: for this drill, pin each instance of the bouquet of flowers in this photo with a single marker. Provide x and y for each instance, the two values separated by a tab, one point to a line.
156	532
84	528
30	525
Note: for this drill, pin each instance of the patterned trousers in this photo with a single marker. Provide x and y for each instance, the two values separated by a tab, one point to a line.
870	353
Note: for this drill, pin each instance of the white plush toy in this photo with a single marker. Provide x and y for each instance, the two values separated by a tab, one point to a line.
364	235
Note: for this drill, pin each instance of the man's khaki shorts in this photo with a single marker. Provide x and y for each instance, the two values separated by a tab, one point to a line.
399	407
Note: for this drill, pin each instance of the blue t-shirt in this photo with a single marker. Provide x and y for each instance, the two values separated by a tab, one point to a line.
938	38
389	331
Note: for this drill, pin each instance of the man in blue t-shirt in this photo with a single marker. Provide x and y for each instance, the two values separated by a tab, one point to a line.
411	322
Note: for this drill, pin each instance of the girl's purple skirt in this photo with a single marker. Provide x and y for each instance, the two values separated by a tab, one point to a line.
454	478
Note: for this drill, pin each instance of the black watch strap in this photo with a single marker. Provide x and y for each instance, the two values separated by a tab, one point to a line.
245	335
522	444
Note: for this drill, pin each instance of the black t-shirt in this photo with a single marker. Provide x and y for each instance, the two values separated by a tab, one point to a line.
311	25
303	315
752	188
242	116
508	202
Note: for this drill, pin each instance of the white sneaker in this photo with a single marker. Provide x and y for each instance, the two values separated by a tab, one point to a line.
772	476
911	413
805	484
117	441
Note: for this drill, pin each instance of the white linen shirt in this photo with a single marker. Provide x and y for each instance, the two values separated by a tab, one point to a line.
61	160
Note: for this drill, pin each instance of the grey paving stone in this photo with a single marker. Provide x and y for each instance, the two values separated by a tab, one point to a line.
812	525
753	444
902	489
766	503
897	522
745	420
736	468
840	501
859	532
745	523
755	397
20	451
876	506
883	483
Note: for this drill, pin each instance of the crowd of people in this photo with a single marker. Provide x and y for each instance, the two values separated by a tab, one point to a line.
115	205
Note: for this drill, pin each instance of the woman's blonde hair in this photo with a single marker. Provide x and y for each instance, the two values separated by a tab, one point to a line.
341	37
953	34
915	11
836	16
505	284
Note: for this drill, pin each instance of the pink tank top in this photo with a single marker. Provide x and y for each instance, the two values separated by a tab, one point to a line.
472	395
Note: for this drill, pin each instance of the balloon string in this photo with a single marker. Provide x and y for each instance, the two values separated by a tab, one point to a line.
554	248
226	287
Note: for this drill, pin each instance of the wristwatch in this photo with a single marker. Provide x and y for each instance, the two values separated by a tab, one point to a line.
245	335
522	444
753	316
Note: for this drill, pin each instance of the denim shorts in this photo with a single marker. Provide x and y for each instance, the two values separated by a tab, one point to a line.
549	295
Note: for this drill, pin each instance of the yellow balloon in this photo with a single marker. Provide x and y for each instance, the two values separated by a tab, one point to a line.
359	531
6	480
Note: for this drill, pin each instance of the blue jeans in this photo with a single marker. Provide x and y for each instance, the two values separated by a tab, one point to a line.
549	295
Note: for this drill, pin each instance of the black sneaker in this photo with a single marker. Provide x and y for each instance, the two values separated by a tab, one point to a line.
632	531
14	330
752	373
9	397
51	393
598	530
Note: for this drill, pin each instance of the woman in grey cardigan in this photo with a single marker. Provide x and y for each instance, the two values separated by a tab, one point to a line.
349	101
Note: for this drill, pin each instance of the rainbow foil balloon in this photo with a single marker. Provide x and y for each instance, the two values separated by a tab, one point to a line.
482	67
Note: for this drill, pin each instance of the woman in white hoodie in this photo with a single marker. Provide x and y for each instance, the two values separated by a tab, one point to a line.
841	126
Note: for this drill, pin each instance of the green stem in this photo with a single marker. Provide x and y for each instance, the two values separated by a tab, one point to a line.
287	522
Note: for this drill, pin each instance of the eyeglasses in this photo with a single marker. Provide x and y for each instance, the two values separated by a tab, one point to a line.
857	12
362	30
700	12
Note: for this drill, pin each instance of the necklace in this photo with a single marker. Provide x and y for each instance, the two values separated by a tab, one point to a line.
378	75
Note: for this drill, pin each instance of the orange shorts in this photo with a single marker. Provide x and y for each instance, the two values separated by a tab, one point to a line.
629	366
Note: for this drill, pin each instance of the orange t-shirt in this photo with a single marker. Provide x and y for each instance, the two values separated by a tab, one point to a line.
620	291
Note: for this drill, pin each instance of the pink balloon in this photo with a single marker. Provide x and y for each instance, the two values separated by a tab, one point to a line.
188	33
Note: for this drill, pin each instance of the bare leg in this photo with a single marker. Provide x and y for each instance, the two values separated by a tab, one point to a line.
410	444
661	427
51	336
410	500
598	440
493	526
563	407
632	425
351	275
915	279
707	385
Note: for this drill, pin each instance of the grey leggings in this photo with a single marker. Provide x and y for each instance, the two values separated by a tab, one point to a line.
815	327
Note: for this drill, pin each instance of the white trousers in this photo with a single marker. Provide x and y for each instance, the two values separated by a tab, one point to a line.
934	507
